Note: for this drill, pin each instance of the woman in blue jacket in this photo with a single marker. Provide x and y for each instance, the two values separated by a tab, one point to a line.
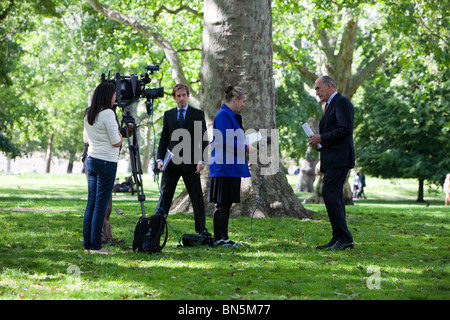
228	163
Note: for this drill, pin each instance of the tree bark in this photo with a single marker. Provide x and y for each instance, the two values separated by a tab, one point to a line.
307	175
305	181
237	50
317	197
49	152
420	192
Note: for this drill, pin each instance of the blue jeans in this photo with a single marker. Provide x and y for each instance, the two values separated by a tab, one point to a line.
101	176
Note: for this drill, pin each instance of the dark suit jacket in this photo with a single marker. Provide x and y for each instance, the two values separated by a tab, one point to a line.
336	131
197	145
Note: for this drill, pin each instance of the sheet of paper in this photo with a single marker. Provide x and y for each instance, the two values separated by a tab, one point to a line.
168	156
309	132
252	138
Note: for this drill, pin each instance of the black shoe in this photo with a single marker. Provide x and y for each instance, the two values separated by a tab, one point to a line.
341	246
326	245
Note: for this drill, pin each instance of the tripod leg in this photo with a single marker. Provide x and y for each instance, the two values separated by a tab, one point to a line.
135	159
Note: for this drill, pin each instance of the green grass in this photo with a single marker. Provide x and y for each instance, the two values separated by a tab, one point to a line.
41	253
389	189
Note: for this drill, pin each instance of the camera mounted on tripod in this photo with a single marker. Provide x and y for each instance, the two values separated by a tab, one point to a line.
130	89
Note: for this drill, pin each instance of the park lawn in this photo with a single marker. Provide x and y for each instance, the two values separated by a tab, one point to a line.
388	189
401	251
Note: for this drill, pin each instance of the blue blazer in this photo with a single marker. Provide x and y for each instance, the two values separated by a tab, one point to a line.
228	158
336	131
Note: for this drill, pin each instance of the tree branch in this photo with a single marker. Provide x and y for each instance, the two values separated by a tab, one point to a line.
364	73
181	8
420	19
6	11
347	48
327	48
150	32
308	74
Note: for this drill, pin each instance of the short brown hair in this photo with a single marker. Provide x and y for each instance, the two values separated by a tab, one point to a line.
178	87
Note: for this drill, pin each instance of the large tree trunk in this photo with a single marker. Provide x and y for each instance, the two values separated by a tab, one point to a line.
317	197
237	50
307	175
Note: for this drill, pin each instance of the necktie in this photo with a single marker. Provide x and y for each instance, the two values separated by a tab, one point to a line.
325	109
181	118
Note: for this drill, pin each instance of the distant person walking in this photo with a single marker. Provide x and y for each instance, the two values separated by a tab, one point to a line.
447	188
355	185
362	184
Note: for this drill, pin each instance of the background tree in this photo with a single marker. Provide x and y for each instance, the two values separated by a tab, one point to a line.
295	106
326	37
404	136
58	84
402	123
16	110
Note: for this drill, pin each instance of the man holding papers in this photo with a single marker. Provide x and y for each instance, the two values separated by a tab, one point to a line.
180	154
337	157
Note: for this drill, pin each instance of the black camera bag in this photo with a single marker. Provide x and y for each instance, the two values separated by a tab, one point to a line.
192	240
148	233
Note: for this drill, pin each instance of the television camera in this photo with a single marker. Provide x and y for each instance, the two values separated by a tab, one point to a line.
131	88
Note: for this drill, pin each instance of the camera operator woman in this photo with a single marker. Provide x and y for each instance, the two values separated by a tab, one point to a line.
228	162
101	131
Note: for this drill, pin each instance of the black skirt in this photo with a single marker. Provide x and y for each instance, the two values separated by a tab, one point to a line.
225	189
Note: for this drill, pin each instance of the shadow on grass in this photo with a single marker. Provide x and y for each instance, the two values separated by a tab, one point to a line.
41	244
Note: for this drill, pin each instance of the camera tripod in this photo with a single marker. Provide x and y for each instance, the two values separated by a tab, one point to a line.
135	158
130	89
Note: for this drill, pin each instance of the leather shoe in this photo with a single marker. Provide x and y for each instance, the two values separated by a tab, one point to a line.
341	246
326	245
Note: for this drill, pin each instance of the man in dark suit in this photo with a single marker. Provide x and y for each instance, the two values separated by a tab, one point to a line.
337	157
189	124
